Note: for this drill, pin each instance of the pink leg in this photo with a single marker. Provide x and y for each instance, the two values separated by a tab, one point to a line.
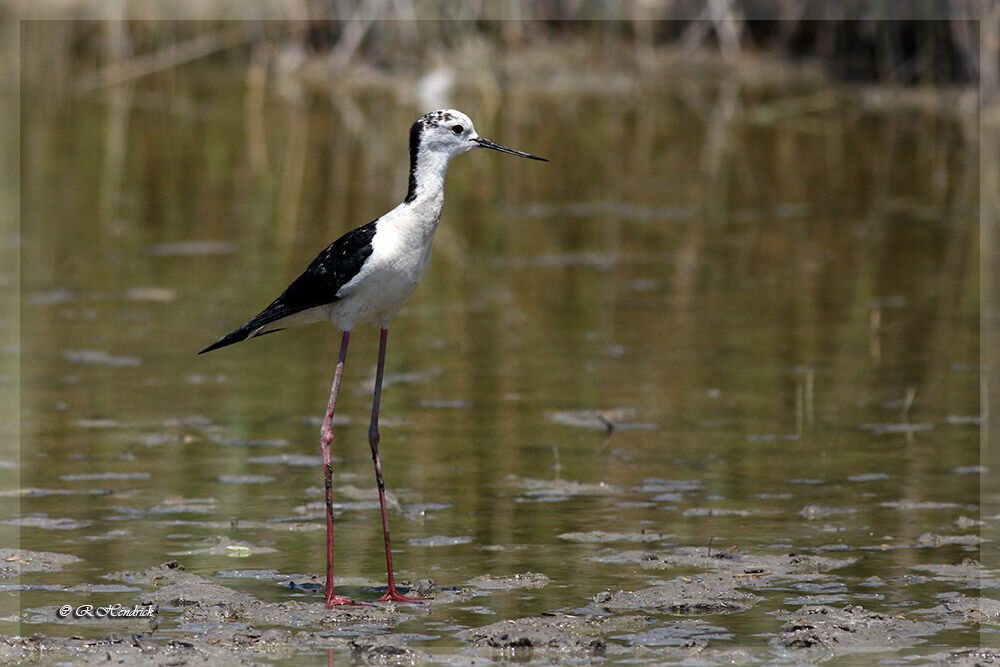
325	438
373	440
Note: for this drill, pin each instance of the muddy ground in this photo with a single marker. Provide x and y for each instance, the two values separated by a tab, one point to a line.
198	621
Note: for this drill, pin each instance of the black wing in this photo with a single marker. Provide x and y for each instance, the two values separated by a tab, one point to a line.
317	286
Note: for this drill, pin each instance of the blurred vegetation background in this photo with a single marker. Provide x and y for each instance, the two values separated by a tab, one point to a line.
901	43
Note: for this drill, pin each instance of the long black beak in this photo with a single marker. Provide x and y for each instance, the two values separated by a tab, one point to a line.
486	143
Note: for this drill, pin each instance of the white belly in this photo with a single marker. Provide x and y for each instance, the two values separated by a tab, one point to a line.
386	282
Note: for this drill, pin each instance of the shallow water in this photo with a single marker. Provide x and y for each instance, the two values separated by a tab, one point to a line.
700	326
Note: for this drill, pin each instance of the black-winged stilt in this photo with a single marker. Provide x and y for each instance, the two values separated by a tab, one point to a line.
366	276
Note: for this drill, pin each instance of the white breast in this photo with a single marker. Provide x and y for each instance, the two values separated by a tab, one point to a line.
401	253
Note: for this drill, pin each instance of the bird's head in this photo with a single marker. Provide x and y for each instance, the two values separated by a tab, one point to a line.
449	132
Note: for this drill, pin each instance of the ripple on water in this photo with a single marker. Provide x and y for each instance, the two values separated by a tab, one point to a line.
46	522
440	541
245	479
290	460
619	419
99	358
869	477
242	442
185	505
103	476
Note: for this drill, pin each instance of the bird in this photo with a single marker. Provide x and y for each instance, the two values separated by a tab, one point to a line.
366	276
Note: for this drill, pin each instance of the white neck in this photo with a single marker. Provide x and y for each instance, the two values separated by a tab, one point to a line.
425	196
427	175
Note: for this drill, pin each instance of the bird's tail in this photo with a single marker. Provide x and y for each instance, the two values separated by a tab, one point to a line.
236	336
248	330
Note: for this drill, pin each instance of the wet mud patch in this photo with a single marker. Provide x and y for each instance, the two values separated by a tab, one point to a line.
14	562
310	582
686	633
225	546
684	595
731	584
201	621
526	580
852	629
814	512
601	536
555	638
541	490
219	644
720	511
203	601
171	572
294	614
52	614
735	562
385	650
112	649
968	657
193	593
968	610
103	588
936	540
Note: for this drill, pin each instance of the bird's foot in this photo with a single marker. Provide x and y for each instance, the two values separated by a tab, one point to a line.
336	599
394	596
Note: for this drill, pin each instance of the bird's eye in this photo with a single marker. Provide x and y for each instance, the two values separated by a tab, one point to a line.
457	129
